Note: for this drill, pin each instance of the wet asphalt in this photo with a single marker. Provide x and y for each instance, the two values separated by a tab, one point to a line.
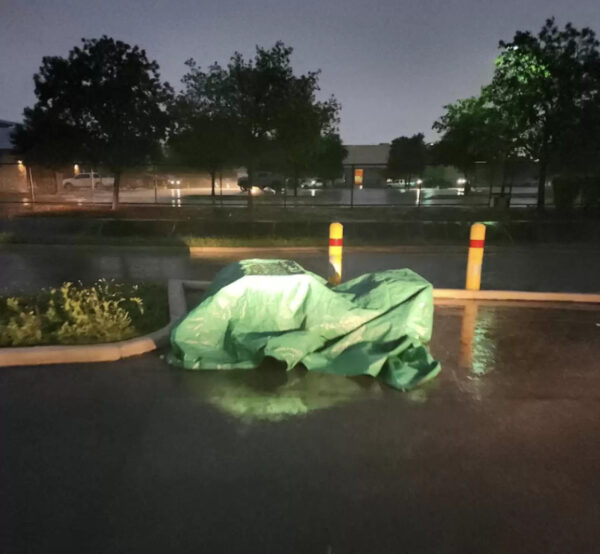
539	268
499	454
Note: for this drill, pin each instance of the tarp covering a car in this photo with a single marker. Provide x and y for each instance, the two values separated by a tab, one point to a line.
377	324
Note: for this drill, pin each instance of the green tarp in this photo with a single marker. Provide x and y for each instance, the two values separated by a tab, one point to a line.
377	324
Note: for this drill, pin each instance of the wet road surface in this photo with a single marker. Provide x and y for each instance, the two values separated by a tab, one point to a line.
535	268
231	195
501	453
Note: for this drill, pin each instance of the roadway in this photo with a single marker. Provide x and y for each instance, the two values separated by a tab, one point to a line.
570	268
231	195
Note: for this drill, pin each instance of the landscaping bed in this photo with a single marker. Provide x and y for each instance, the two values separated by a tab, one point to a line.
73	313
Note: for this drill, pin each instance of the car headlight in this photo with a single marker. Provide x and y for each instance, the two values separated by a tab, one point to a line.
171	182
178	182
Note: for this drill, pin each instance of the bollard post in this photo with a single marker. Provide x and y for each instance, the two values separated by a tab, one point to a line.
336	237
475	259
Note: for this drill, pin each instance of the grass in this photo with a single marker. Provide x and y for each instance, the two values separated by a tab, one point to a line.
105	311
254	241
173	241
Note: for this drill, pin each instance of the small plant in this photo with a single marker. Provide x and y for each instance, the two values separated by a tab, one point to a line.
74	314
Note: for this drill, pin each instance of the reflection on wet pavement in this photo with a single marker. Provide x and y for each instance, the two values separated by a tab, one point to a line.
477	346
518	342
272	394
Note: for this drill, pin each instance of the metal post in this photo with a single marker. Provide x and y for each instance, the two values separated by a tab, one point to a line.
93	187
419	184
31	185
353	183
475	259
221	187
155	188
336	238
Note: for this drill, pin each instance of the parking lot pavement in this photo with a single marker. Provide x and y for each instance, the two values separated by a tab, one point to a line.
499	454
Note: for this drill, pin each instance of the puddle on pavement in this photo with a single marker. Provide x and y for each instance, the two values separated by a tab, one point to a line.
478	337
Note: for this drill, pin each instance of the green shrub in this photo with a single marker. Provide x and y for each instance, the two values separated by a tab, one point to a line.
74	314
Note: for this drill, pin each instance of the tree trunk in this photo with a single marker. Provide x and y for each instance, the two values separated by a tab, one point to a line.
543	172
250	185
213	178
116	185
541	196
467	186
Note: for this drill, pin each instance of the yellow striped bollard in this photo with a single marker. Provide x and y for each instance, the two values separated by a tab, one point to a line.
475	260
336	237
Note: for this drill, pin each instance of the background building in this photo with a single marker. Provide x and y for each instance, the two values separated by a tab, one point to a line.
367	164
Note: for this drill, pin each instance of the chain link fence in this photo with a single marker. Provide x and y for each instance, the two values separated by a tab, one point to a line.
181	187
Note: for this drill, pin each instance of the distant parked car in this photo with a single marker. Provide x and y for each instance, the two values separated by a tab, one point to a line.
312	184
402	183
265	181
174	181
84	180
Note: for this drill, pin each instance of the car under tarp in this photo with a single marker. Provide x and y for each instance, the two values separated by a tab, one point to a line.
377	324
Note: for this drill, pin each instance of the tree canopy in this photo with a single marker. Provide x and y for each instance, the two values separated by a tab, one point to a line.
407	157
104	104
543	104
473	130
272	116
542	84
204	136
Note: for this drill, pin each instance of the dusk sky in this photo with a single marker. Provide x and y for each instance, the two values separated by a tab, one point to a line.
392	64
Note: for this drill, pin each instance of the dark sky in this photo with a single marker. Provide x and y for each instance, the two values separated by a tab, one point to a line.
392	64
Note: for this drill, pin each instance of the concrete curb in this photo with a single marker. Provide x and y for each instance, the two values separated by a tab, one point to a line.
510	295
107	352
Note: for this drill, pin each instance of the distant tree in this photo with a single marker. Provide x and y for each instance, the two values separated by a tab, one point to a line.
273	114
407	157
329	157
204	135
436	176
104	104
301	126
472	130
541	84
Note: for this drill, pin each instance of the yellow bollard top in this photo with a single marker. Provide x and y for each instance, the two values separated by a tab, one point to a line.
336	230
477	231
